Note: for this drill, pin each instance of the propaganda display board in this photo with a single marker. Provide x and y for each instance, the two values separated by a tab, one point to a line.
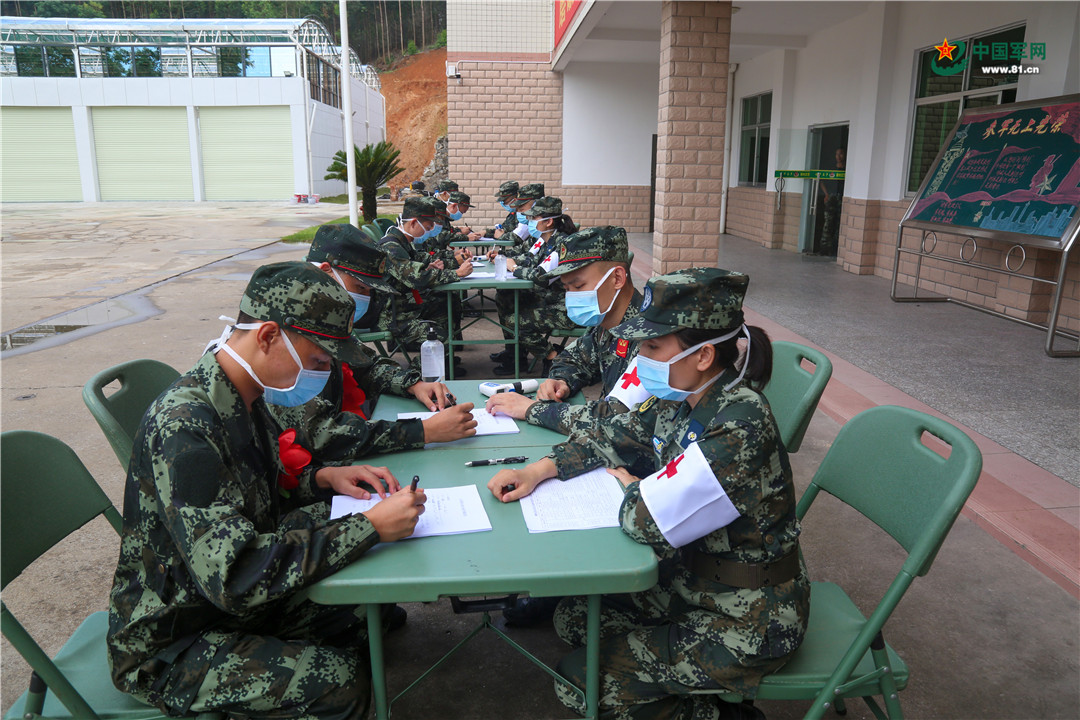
1008	172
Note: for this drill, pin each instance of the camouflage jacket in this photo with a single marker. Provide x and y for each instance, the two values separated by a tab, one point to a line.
209	541
339	433
507	225
595	357
742	445
410	269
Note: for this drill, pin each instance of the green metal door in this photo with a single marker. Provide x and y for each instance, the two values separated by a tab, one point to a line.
39	159
247	153
143	153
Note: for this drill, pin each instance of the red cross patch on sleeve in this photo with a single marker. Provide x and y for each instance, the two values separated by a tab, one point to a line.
622	347
686	500
628	388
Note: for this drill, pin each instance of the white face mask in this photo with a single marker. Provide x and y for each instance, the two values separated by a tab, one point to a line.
308	383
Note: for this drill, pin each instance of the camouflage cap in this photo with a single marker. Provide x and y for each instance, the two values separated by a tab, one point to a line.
546	206
508	189
605	243
347	248
532	191
698	298
446	186
423	208
300	297
460	198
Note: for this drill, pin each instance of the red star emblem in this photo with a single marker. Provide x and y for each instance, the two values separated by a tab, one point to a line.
629	379
945	50
671	468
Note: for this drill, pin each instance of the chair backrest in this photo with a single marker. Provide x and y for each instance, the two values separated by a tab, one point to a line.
793	391
119	414
373	232
384	225
883	465
46	494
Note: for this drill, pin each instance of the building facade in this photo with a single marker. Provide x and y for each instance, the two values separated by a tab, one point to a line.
623	109
175	110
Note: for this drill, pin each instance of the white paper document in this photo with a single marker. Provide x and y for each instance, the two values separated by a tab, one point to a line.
484	275
486	423
591	500
448	511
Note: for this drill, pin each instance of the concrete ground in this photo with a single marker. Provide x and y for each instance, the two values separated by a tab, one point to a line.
991	632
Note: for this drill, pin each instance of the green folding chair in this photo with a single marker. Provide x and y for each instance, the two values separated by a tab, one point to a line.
883	465
384	224
793	391
46	495
120	413
372	231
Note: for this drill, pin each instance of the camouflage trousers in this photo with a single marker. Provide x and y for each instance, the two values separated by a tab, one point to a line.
651	658
541	314
307	661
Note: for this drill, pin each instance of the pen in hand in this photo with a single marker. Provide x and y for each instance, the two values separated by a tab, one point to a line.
415	482
497	461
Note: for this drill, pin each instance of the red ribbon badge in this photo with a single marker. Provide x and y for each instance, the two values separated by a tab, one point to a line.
294	459
353	396
622	347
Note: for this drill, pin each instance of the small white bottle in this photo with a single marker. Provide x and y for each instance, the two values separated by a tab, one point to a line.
500	267
432	358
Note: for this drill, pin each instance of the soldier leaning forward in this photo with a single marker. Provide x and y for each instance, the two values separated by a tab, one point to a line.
226	521
732	598
413	274
594	268
337	421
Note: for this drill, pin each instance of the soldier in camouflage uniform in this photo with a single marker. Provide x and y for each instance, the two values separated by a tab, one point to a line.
226	521
519	233
457	206
337	420
413	273
733	596
541	310
507	193
443	190
593	263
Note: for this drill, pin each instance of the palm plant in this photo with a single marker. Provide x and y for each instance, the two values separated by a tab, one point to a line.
376	165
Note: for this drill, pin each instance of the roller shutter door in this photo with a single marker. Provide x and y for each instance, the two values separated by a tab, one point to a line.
143	153
247	152
39	158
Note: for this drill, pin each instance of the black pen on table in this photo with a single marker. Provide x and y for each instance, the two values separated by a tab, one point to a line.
497	461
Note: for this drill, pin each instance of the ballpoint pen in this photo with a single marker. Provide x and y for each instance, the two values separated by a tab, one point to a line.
415	482
497	461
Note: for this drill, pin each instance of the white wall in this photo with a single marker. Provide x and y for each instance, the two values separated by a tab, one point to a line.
862	71
369	120
609	117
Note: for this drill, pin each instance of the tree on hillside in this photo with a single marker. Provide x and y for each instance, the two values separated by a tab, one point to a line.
376	165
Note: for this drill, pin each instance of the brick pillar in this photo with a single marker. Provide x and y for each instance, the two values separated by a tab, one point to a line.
690	137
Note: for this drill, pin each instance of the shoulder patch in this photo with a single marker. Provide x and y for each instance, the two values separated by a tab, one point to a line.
622	347
648	299
647	404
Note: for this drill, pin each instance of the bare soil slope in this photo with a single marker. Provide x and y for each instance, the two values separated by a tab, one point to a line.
415	93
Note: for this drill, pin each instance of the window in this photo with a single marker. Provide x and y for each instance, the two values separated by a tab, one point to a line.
754	146
943	90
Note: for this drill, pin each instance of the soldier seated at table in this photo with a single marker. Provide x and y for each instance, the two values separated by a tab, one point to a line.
519	233
337	420
718	508
594	267
506	194
226	522
413	273
541	310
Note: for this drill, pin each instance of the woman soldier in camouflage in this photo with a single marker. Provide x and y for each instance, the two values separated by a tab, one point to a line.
733	597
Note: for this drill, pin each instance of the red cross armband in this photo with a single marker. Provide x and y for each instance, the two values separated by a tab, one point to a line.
628	388
686	500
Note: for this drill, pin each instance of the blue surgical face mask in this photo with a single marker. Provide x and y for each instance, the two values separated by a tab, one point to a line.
308	383
534	231
506	207
455	215
360	302
521	218
583	306
655	375
435	230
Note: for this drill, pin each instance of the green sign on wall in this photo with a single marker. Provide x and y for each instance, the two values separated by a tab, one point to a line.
811	174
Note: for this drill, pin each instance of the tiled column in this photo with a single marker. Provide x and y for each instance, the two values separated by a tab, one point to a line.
690	144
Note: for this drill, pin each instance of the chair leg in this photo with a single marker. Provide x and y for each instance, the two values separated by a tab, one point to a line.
887	683
840	707
35	696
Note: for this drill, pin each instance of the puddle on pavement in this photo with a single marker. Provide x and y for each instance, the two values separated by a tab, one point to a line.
78	324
